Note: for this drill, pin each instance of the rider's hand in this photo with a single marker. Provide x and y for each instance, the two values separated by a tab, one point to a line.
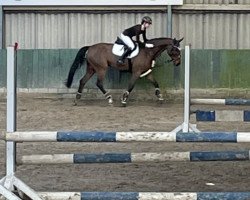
149	45
141	44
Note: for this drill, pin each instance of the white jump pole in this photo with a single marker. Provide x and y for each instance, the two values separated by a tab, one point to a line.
10	182
186	126
6	184
11	110
187	90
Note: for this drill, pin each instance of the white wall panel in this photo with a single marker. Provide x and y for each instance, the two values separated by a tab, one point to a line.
76	29
220	31
189	26
244	31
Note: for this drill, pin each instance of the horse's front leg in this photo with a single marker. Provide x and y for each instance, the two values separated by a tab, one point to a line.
130	88
157	89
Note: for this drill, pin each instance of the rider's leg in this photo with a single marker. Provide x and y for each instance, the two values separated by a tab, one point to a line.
124	55
127	40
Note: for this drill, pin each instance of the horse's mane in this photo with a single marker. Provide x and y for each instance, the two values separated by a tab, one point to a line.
160	41
161	38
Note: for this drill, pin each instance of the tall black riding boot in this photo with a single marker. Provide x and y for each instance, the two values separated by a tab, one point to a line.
124	55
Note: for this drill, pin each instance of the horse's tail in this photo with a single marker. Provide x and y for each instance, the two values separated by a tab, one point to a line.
79	59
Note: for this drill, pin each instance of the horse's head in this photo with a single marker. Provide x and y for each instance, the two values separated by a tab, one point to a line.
175	54
171	45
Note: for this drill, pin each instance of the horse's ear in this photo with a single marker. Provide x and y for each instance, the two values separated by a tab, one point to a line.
180	39
175	41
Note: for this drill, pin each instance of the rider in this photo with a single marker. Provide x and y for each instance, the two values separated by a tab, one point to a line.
137	30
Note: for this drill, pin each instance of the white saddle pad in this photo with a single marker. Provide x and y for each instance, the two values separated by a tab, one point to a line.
118	50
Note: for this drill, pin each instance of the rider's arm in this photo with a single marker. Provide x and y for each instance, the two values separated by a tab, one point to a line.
145	40
138	38
137	33
144	36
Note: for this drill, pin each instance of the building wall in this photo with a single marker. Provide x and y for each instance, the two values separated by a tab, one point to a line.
73	30
213	30
204	27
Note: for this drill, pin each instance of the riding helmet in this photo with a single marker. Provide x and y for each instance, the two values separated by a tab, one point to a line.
146	19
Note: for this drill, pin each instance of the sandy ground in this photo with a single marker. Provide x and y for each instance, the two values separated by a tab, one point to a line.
35	112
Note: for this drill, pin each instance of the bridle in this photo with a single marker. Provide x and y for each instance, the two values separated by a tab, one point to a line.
172	60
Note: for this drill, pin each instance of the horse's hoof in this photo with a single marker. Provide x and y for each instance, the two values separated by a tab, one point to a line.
160	100
110	101
124	103
75	102
78	96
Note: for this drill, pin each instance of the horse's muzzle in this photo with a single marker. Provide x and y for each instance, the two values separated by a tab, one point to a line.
177	64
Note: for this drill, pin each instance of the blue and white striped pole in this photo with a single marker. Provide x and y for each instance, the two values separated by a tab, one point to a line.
220	101
101	136
135	157
223	115
146	195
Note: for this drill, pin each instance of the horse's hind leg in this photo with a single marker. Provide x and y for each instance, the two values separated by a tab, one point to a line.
157	89
130	88
99	84
89	73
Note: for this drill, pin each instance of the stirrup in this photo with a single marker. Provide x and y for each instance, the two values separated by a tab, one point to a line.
120	61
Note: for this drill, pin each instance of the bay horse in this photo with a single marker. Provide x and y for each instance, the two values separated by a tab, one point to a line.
99	57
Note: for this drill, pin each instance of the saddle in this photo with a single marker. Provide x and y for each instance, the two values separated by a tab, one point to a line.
119	47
